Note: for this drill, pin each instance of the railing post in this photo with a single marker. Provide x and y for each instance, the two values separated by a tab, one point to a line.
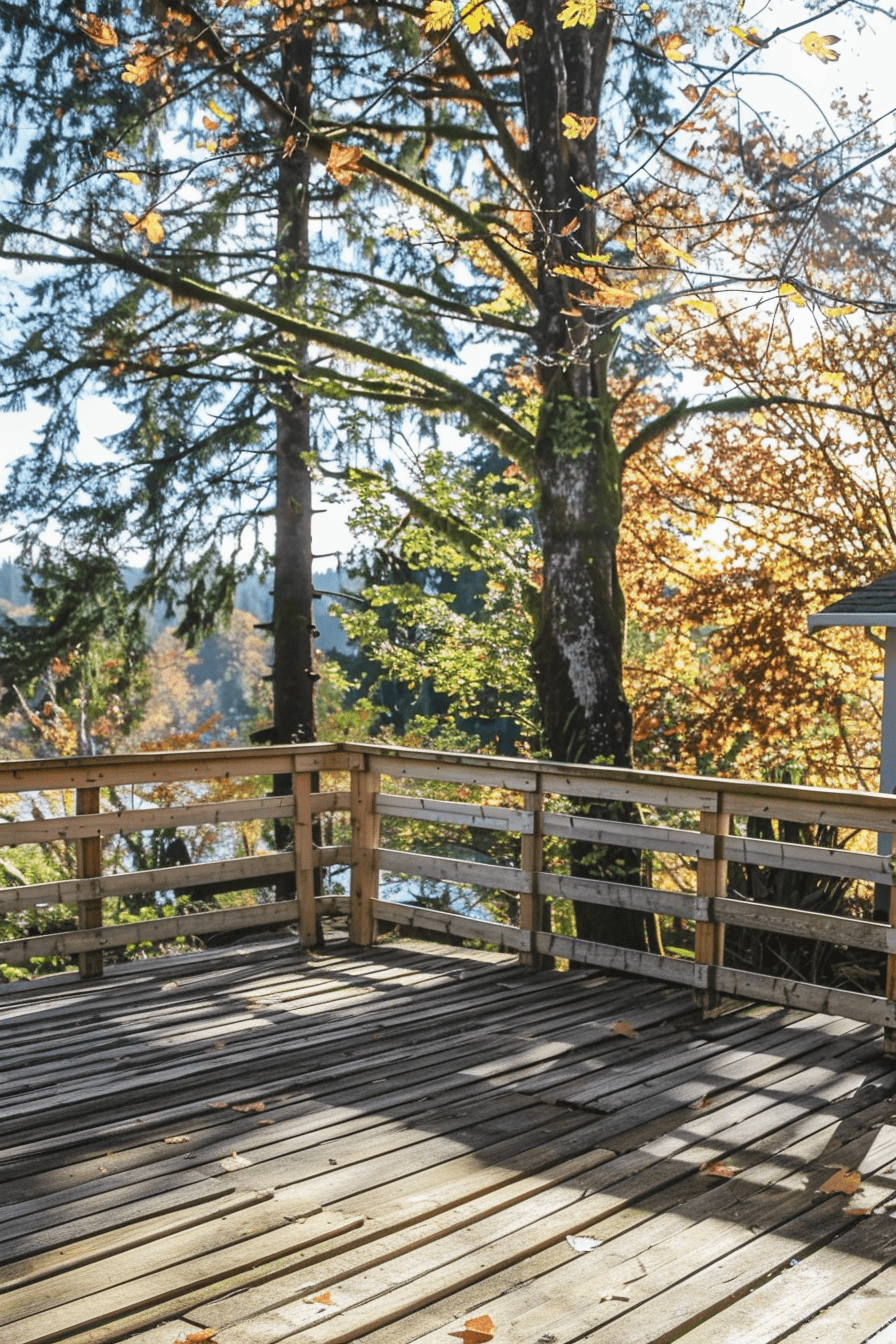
709	936
365	842
890	1032
89	855
303	847
531	858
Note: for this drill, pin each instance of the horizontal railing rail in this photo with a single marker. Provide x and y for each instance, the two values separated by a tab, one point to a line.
525	804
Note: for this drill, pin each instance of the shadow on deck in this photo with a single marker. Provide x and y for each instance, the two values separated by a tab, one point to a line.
383	1145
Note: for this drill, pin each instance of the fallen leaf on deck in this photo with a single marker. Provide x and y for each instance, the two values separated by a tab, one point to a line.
843	1182
248	1106
218	1045
700	1105
197	1337
859	1213
265	1122
218	1105
582	1245
178	1138
478	1330
718	1169
234	1161
624	1028
612	1296
325	1298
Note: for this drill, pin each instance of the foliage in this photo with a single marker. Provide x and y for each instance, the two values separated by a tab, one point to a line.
571	188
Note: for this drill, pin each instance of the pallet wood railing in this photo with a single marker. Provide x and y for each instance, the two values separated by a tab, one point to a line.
538	803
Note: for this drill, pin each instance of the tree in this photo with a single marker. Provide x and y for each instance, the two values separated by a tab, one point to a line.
606	174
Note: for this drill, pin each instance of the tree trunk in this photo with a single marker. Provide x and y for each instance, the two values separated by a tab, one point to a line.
293	671
578	645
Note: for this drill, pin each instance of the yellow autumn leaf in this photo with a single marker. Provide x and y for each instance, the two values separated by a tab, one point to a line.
676	48
813	44
833	379
439	16
129	177
600	257
749	36
475	16
842	311
517	33
141	70
789	159
149	224
584	12
103	34
577	128
788	291
219	112
591	192
343	162
111	154
609	296
674	251
702	305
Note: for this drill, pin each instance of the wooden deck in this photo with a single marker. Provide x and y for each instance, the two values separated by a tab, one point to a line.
382	1145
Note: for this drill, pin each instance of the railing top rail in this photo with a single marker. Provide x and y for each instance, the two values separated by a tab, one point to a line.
844	806
731	792
146	767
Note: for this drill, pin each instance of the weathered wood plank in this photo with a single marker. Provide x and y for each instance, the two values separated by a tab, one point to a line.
494	876
624	895
807	924
90	865
487	772
365	839
615	958
411	808
126	820
807	858
441	921
814	998
101	1305
19	953
662	839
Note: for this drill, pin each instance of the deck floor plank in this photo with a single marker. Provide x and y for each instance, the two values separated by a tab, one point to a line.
452	1118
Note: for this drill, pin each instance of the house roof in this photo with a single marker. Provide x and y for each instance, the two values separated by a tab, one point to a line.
874	604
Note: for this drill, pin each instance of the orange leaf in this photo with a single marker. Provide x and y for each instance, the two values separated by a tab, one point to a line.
343	162
718	1169
103	34
197	1337
478	1330
844	1181
248	1106
325	1298
623	1028
178	1138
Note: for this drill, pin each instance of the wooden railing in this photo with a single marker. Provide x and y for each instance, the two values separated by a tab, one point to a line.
538	803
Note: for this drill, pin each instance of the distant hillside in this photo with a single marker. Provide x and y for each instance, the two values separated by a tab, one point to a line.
252	595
